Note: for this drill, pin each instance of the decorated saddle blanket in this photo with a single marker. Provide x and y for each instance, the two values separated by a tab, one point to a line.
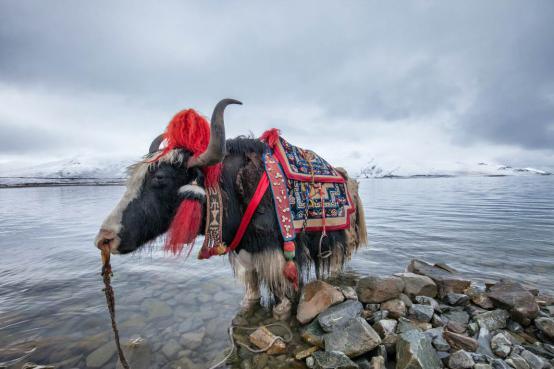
317	197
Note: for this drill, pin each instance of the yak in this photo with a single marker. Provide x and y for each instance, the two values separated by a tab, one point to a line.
153	197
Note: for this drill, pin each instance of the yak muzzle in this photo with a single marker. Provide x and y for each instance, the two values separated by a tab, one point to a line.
107	237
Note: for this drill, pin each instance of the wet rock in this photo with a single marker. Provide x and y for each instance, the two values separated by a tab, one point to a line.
438	341
514	326
544	350
170	348
545	325
356	338
379	315
422	313
456	299
263	338
385	327
456	327
533	360
473	328
192	340
484	340
332	360
460	360
316	297
138	355
499	364
339	315
406	300
515	298
479	297
406	325
460	342
426	300
349	293
156	309
101	355
493	320
300	355
482	366
456	314
418	285
379	289
378	362
517	362
437	321
313	334
501	345
414	351
395	307
445	280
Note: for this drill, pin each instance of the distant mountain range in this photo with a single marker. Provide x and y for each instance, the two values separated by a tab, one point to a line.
83	170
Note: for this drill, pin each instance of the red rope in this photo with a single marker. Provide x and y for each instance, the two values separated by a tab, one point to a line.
252	206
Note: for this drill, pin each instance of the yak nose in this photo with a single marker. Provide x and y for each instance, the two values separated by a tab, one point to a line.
106	237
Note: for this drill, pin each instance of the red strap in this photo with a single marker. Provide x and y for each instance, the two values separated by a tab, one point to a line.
252	206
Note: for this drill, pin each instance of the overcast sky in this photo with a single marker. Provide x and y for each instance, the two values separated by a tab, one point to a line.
400	82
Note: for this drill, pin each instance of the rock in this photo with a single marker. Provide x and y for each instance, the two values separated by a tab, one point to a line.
482	366
263	338
349	293
300	355
379	289
332	360
546	326
445	280
517	362
385	327
170	348
138	355
310	362
426	300
479	297
514	326
437	321
338	316
422	313
501	345
406	325
484	340
456	299
373	307
406	300
493	320
499	364
460	360
414	351
438	341
316	297
156	309
378	362
456	327
395	307
515	298
460	342
355	339
101	355
473	328
378	315
542	350
418	285
457	314
192	340
313	334
363	363
533	360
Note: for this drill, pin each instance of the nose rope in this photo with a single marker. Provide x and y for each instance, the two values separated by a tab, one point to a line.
110	299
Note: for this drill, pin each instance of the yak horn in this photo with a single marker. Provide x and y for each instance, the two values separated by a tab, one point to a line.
155	145
215	153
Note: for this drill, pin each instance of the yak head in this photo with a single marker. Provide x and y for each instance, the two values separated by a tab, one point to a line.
165	190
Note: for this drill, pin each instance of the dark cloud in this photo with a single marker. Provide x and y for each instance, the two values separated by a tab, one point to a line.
485	66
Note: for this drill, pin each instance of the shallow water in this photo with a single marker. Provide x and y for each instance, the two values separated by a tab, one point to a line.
51	292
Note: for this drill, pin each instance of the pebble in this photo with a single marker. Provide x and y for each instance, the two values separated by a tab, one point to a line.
395	307
422	313
456	299
170	348
501	345
460	360
101	355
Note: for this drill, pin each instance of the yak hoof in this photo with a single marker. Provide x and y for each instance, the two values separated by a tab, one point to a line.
282	310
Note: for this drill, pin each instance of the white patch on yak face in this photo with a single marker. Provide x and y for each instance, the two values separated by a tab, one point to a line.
136	176
195	189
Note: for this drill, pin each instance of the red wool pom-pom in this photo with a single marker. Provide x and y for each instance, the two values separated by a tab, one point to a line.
185	226
271	137
291	273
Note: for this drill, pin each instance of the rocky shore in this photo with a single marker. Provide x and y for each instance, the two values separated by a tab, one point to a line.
428	317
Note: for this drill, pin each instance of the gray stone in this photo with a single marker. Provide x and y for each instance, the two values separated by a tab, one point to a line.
499	364
170	348
546	326
533	360
395	307
385	327
493	320
517	362
482	366
539	349
190	324
405	299
479	297
373	307
460	360
444	278
418	285
406	325
437	339
101	355
355	339
138	355
422	313
501	345
313	334
414	351
481	358
193	340
515	298
437	321
316	297
514	326
332	360
349	293
484	340
473	328
456	299
339	315
379	315
426	300
457	314
379	289
156	309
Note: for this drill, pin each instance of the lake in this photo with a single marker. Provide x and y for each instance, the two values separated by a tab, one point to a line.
51	300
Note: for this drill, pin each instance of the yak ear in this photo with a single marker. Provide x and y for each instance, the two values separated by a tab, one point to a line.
192	191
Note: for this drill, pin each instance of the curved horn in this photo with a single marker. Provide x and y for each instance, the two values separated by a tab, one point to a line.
155	145
216	148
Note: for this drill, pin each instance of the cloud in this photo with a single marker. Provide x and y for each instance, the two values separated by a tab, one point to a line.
446	77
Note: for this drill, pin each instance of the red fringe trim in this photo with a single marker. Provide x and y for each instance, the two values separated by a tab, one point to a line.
185	227
271	137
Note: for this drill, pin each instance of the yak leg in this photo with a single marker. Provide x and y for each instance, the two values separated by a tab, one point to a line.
247	273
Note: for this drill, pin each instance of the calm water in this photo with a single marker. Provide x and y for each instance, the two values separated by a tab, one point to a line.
51	292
